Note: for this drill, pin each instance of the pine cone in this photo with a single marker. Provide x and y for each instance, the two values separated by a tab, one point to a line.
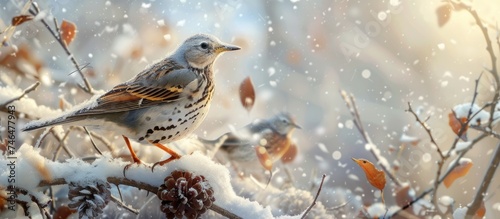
89	200
183	194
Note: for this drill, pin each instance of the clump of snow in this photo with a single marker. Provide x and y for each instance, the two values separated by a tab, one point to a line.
479	116
446	200
462	146
460	213
376	210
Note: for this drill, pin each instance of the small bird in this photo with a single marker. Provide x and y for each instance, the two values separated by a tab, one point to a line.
263	140
165	102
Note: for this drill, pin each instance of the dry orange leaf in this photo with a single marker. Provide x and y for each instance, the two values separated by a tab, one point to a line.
290	154
443	14
374	176
20	19
247	94
462	169
68	31
456	125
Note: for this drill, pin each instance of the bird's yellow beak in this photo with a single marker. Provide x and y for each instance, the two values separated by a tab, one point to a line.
226	47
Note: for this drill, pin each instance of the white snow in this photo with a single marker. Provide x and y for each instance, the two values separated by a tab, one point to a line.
376	210
463	161
460	213
480	117
36	168
446	200
462	146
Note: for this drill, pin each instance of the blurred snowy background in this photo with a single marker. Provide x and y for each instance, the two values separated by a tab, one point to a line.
299	54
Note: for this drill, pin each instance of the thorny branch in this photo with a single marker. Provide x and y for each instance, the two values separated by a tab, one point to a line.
351	105
139	185
57	35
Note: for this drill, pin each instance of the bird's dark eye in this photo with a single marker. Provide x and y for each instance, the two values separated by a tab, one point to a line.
204	45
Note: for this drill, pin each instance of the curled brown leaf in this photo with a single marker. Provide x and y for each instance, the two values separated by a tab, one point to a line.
247	93
20	19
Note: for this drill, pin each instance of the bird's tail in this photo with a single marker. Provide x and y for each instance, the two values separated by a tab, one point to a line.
38	124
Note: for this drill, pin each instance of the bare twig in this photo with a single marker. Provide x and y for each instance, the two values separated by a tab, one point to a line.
92	140
489	49
441	155
487	131
484	31
140	185
42	137
351	105
25	91
485	183
315	198
120	203
101	138
57	35
62	144
427	129
450	169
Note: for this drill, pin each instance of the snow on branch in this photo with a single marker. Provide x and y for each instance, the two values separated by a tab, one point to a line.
26	91
39	172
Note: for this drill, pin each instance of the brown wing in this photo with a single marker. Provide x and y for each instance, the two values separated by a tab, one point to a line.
161	83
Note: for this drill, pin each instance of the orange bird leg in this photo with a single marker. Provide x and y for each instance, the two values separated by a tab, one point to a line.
173	155
132	153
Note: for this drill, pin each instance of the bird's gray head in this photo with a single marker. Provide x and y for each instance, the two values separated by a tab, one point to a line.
283	123
201	50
